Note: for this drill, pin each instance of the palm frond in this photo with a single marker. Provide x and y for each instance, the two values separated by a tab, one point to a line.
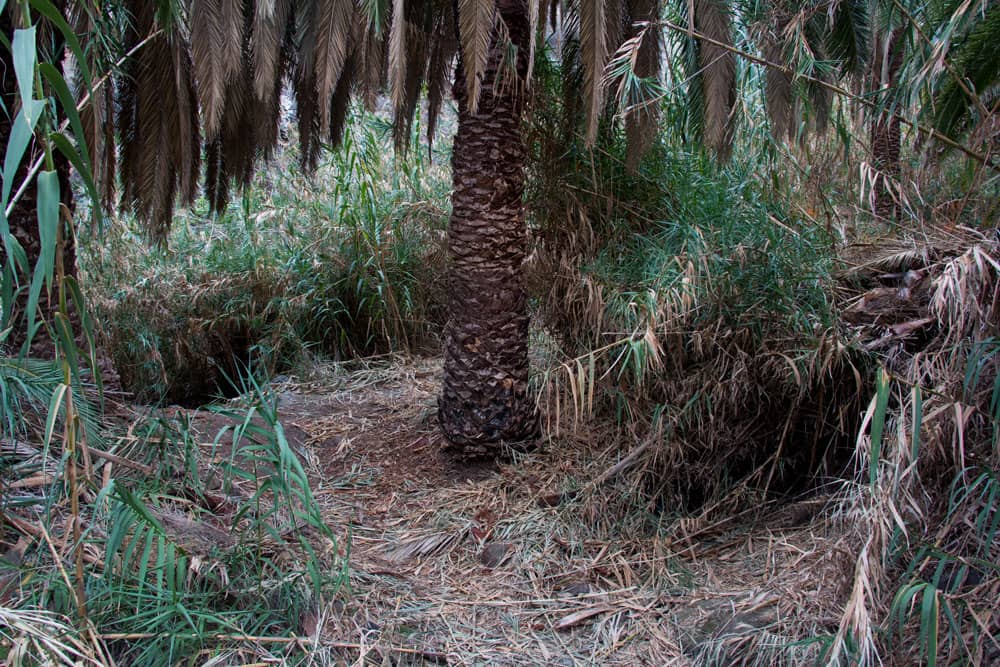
475	29
593	57
217	52
340	103
158	123
334	43
717	70
975	61
398	60
440	68
850	33
642	117
270	25
370	63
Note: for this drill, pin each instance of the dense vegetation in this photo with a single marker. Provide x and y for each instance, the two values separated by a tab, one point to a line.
750	249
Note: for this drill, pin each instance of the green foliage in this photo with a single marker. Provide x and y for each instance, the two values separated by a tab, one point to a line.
681	229
345	263
178	592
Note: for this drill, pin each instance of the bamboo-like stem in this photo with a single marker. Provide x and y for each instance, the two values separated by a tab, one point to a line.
79	107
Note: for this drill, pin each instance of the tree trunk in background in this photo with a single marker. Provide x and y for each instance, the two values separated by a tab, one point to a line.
23	219
485	405
885	127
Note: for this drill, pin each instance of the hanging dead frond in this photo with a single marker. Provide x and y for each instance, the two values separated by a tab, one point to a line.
217	51
216	179
157	122
340	103
97	118
475	29
594	57
779	100
307	114
267	35
418	25
304	84
370	63
440	68
717	70
398	55
334	43
614	25
96	111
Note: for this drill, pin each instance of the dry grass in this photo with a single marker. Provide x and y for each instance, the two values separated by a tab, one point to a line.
557	558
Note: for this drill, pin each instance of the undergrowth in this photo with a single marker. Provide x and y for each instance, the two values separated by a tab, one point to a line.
164	580
344	263
694	308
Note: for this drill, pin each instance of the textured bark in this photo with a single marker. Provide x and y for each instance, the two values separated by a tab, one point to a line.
23	219
885	128
485	405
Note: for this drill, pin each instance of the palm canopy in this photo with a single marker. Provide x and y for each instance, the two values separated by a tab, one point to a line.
204	78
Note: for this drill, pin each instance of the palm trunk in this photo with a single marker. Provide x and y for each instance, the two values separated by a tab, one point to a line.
485	405
23	219
885	128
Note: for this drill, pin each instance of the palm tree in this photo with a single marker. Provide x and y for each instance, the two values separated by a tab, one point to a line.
884	136
956	68
230	59
485	399
202	83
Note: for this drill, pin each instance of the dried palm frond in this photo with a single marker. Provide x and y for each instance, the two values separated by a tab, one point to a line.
217	52
307	114
594	57
267	111
97	113
370	62
216	181
717	70
476	20
572	70
440	68
334	43
397	55
341	102
419	25
615	26
267	35
158	122
97	118
779	95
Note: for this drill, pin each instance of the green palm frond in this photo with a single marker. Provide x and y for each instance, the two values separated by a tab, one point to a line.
850	32
975	62
27	386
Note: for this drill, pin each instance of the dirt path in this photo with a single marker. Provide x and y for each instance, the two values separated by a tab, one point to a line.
530	563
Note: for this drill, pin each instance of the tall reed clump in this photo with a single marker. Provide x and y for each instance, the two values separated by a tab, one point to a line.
690	302
924	507
345	263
